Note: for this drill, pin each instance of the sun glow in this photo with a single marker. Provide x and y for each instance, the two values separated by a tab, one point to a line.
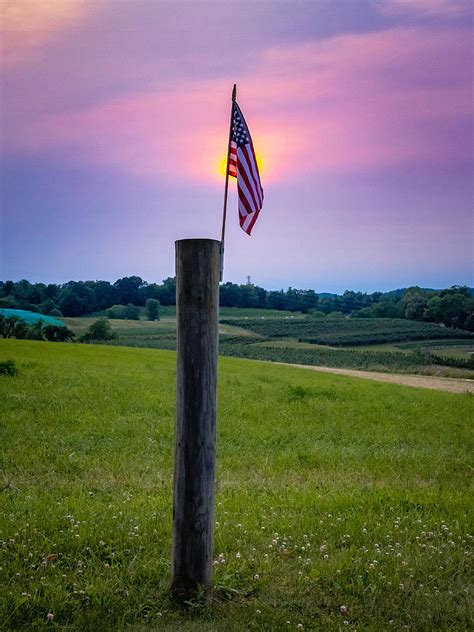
221	165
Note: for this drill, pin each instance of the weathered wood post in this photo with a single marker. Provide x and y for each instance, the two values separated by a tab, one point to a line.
197	305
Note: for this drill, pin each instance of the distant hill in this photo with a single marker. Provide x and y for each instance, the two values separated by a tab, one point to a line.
31	317
401	290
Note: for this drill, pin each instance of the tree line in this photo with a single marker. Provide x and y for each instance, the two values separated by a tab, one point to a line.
453	307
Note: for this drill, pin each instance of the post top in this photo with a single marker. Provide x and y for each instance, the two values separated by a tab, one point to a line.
198	239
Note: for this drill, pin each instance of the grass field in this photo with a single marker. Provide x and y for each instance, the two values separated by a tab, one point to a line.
341	503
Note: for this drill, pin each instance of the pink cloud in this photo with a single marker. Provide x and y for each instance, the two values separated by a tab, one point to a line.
350	102
27	25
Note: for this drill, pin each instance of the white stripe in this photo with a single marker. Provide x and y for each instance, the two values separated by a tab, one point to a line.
256	176
247	221
248	170
245	191
243	210
254	205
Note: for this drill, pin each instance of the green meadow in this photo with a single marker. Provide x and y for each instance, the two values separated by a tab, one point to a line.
341	504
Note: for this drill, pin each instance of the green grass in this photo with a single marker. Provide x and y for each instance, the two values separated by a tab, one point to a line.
331	492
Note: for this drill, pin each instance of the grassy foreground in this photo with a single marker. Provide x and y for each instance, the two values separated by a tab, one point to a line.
341	504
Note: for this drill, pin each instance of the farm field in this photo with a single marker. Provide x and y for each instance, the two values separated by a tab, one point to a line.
338	500
270	338
350	331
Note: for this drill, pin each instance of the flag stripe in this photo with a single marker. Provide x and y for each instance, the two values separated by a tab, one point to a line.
244	197
246	162
243	166
242	211
246	172
233	159
252	221
256	171
249	185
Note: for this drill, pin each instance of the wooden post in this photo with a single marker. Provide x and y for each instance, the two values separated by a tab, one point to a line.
197	305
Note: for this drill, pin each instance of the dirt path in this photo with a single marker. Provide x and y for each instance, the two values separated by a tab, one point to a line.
454	385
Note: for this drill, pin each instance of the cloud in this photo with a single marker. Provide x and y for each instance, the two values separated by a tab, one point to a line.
27	25
450	9
353	102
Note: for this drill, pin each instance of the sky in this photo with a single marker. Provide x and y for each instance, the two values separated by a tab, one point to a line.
114	119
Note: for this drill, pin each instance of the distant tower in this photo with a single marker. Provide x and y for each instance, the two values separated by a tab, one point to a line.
249	282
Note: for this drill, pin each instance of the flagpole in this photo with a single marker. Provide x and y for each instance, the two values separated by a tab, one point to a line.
224	214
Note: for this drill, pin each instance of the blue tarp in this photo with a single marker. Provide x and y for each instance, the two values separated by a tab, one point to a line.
31	317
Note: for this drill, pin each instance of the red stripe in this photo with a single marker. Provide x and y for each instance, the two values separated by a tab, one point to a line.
243	174
244	169
243	199
257	172
255	185
252	222
242	214
232	169
245	193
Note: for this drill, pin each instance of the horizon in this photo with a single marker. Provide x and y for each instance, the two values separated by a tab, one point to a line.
115	123
267	289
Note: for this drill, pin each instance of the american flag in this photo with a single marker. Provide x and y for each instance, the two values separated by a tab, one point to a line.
243	166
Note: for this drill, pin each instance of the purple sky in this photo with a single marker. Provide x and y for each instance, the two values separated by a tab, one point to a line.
114	123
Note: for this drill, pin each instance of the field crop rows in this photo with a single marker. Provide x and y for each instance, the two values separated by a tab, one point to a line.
237	313
350	331
250	338
347	358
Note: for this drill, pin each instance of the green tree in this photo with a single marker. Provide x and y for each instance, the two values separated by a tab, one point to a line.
132	312
99	331
387	309
152	309
414	301
167	291
365	312
105	294
56	333
35	331
20	331
70	304
7	325
433	311
128	290
124	312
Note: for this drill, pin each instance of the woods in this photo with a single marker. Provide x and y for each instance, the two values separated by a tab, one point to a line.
453	307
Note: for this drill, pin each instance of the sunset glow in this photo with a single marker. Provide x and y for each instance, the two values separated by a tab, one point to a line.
223	163
115	119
